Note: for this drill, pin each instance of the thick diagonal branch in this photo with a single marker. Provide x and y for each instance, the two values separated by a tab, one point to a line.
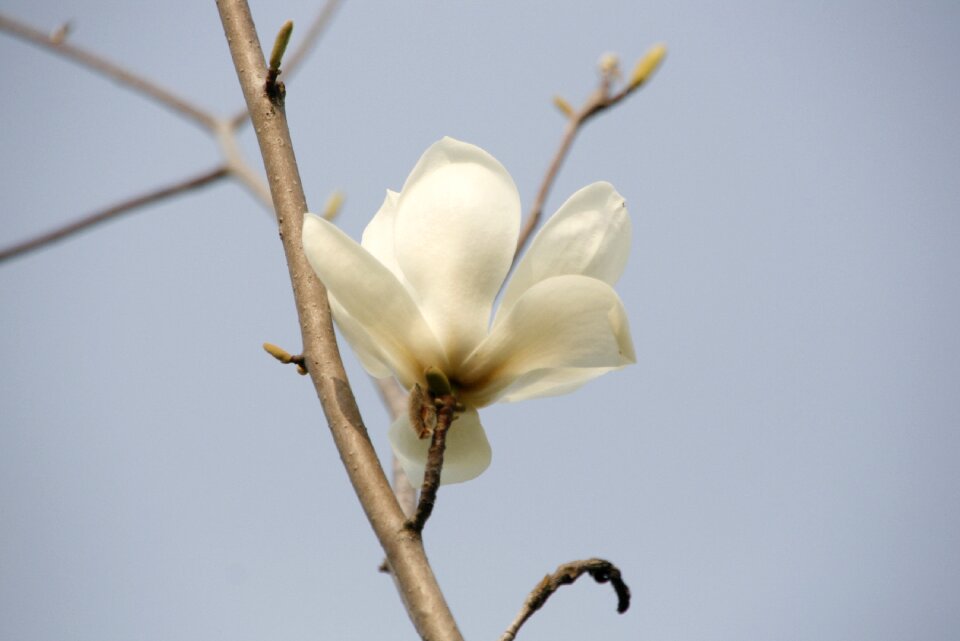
415	580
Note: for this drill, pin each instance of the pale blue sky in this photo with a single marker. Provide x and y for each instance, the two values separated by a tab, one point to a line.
781	464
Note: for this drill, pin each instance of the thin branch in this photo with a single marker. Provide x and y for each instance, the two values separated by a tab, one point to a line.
601	571
431	476
60	46
119	209
299	54
416	583
601	99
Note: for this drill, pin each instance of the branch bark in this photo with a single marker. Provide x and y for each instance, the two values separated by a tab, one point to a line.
405	554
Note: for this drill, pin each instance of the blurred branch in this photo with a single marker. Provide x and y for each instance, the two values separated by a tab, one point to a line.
224	131
395	400
601	571
115	211
602	98
408	563
58	45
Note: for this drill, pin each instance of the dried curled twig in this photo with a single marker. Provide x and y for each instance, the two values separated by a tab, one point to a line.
602	572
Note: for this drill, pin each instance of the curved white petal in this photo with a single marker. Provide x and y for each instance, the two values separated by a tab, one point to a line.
378	236
467	453
590	235
561	322
551	382
365	348
374	298
455	232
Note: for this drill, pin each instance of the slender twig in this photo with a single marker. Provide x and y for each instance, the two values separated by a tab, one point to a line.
601	571
431	475
92	61
114	211
601	99
415	580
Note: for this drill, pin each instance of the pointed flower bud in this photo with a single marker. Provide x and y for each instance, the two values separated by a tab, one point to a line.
647	65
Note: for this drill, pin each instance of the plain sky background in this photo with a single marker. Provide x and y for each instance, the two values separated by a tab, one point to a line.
780	465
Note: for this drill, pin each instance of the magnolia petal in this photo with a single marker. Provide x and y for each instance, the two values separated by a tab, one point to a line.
561	322
551	382
367	351
466	456
590	235
378	236
374	298
456	228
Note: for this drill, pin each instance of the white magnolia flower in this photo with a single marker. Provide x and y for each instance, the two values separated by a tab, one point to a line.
418	292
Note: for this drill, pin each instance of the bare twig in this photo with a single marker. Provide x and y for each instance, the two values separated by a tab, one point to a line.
405	554
92	61
114	211
601	571
601	99
431	476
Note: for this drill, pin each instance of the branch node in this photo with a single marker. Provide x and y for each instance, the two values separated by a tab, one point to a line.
564	107
58	35
274	88
286	357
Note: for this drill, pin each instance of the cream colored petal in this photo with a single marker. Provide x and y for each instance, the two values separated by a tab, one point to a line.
365	348
561	322
466	456
589	235
378	236
551	382
374	298
456	229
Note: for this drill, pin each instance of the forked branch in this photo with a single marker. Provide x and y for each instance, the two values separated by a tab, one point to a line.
602	98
